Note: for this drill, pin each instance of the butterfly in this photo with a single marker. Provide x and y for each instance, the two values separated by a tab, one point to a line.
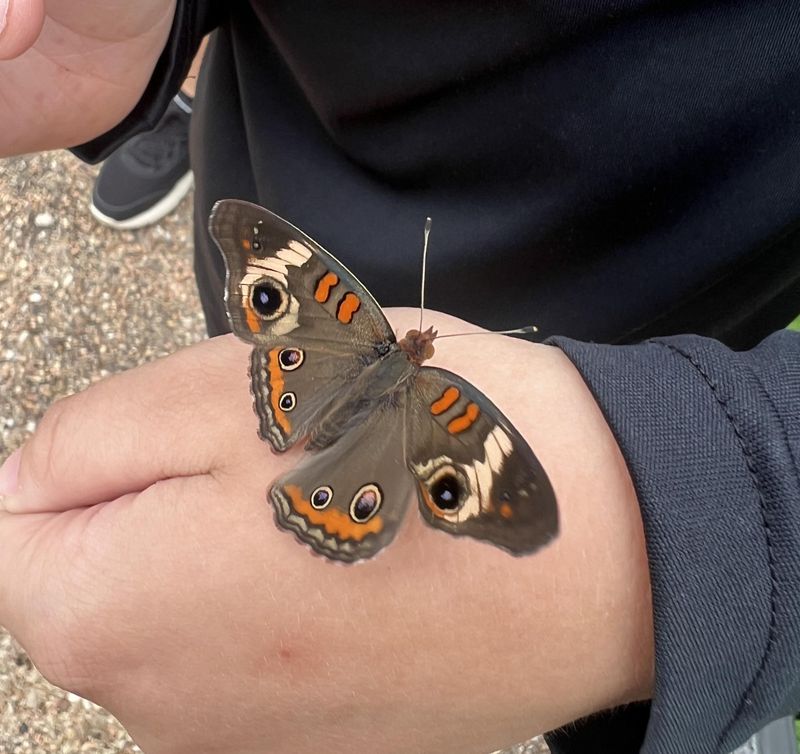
327	368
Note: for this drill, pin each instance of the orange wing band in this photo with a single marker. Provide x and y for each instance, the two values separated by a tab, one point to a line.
334	521
325	285
348	306
253	322
426	496
447	399
276	390
465	421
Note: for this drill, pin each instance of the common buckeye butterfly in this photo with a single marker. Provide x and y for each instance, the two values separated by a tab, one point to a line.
327	368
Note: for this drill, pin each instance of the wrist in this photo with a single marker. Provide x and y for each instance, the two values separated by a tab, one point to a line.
593	589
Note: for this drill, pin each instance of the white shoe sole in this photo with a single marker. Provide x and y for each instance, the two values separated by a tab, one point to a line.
153	214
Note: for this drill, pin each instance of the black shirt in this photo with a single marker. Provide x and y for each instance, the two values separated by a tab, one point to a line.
609	170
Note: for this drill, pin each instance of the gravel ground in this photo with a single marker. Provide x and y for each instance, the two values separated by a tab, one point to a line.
78	301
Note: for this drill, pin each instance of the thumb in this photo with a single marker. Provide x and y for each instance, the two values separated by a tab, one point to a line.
21	22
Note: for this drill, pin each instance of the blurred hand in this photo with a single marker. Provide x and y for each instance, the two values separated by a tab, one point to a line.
141	568
72	69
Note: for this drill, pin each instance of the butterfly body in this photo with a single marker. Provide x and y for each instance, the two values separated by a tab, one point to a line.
327	369
380	383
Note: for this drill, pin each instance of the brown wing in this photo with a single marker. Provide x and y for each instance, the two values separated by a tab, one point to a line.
347	501
281	284
476	475
292	300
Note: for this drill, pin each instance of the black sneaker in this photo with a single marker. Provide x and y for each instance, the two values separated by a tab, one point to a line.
146	178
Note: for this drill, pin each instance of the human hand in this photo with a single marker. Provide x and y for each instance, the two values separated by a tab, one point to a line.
142	569
72	70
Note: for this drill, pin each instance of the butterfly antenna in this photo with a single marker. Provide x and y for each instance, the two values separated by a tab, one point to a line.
527	330
428	224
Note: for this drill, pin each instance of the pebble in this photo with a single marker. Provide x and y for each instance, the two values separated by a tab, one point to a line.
44	220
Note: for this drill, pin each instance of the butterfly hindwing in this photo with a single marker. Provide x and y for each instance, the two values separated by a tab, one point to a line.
292	385
476	475
347	501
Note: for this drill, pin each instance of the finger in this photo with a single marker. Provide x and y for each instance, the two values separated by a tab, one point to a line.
48	575
21	22
17	556
179	416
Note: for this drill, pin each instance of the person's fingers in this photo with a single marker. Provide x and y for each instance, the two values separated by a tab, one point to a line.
52	584
21	22
19	553
179	416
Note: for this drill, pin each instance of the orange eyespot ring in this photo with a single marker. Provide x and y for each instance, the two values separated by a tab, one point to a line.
445	490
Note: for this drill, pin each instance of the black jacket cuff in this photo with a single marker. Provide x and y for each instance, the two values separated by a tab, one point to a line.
711	438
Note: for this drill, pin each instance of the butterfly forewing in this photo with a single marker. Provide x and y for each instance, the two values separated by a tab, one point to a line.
290	298
476	475
281	285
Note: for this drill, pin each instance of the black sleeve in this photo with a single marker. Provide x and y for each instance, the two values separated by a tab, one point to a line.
193	20
712	441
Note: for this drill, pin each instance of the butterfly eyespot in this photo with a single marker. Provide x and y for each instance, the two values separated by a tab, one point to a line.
290	359
321	497
446	492
268	299
445	488
288	401
365	503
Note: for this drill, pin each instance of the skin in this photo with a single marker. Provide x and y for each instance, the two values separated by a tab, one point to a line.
71	70
141	568
189	86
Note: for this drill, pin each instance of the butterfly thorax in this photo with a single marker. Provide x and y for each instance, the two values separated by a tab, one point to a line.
378	385
418	345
